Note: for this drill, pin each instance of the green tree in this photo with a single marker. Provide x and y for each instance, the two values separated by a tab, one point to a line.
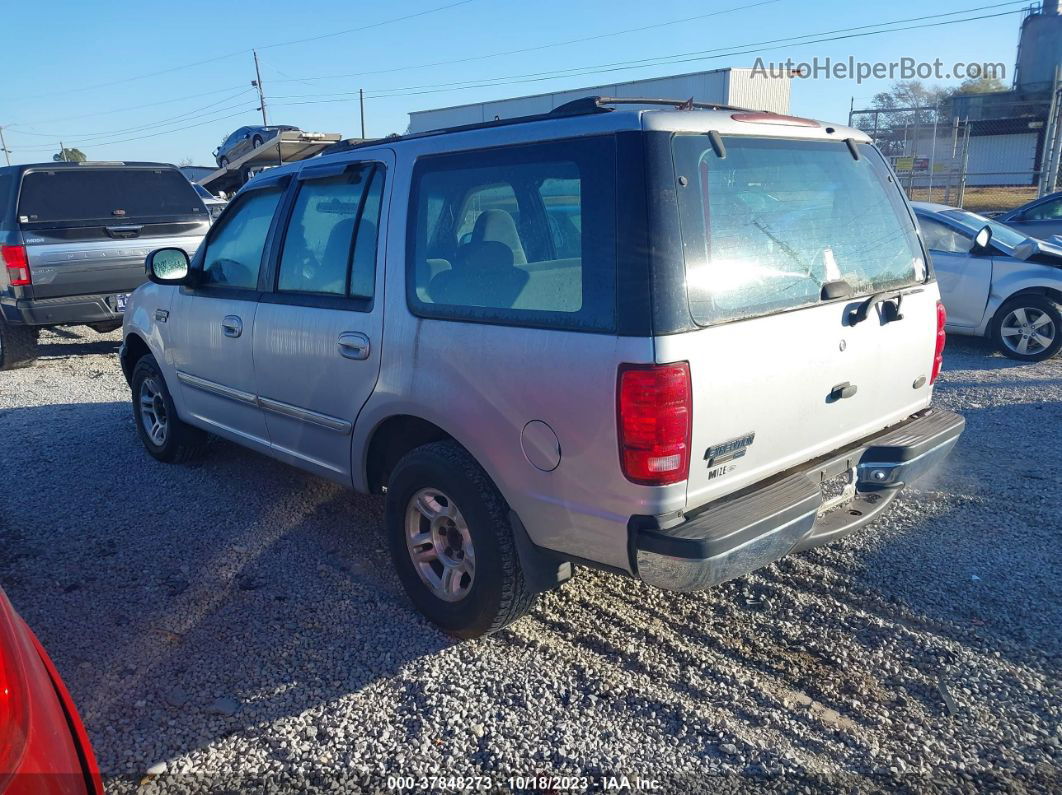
981	85
70	155
904	95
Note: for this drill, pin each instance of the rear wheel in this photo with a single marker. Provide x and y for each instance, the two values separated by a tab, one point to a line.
452	544
223	162
162	432
18	346
1028	328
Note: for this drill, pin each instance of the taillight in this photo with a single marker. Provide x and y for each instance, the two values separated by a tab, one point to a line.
938	350
14	717
17	264
655	406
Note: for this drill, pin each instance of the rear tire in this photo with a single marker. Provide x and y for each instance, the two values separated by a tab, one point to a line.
18	346
1027	328
162	432
469	537
223	162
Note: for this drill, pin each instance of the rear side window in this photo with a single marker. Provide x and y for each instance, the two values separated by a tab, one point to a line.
1048	211
319	245
518	236
764	227
234	250
106	194
363	264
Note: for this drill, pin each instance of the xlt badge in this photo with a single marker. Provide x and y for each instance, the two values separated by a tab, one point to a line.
729	450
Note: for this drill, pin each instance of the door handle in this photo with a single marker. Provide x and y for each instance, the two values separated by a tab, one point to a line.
842	391
232	326
353	345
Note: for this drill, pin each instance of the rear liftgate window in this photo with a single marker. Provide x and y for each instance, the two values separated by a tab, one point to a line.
767	225
101	194
520	236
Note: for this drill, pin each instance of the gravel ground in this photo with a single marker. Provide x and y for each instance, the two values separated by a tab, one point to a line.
236	622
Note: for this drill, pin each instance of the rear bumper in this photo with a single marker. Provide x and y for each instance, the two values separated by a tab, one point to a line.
759	525
67	311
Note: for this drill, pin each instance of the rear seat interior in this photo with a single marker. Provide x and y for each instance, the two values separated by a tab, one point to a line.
491	270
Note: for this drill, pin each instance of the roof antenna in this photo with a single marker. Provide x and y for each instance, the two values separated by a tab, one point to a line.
687	105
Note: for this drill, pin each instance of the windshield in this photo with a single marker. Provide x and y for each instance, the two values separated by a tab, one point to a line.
974	223
765	227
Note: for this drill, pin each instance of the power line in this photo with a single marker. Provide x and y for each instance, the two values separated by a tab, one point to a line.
367	27
214	59
127	108
700	55
83	137
536	48
246	107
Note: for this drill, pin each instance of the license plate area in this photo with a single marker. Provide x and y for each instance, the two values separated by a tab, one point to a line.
119	302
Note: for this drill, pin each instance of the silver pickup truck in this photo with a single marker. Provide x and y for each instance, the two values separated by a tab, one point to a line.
676	344
73	238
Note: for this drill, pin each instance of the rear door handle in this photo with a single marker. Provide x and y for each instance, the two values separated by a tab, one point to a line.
353	345
232	326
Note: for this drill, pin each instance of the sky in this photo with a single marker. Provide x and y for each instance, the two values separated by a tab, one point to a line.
167	82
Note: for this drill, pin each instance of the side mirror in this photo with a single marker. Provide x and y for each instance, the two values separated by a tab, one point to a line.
167	266
982	240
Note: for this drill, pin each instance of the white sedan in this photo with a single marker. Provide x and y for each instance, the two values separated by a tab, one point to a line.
994	281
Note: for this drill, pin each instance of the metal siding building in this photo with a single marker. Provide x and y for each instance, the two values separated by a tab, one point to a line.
725	86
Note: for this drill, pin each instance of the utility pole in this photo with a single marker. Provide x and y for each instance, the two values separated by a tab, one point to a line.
3	145
361	102
261	94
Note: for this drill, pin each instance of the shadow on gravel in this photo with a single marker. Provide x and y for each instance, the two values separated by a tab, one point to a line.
985	350
230	595
67	350
997	577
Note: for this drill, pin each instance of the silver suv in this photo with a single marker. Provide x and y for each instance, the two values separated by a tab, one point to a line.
676	344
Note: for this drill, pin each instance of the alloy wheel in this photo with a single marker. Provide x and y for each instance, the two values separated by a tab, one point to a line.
440	545
1027	330
153	413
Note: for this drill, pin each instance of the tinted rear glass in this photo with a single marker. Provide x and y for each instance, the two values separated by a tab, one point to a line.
522	236
104	194
765	227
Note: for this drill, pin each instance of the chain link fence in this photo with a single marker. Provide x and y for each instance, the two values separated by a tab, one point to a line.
986	156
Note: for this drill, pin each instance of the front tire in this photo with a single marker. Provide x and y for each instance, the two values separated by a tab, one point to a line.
1027	328
18	346
452	544
162	432
256	141
223	162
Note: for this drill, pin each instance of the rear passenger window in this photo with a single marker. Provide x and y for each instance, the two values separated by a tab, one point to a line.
363	266
234	251
520	236
316	257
